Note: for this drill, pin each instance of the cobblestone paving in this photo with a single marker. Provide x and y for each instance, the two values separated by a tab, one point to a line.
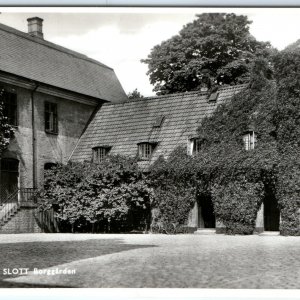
194	261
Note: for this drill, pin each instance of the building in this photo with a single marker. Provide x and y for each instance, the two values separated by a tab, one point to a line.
151	127
50	94
65	106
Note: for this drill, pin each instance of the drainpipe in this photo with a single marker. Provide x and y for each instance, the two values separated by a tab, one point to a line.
34	146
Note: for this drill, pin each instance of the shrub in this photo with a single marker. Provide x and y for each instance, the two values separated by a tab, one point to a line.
173	182
288	193
112	196
236	205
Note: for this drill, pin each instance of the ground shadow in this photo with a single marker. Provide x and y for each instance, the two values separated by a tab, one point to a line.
48	254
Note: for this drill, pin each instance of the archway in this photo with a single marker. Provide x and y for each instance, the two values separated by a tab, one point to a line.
9	177
271	212
206	215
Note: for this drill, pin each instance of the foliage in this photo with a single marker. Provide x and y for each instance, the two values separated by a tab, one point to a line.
215	45
234	179
287	121
111	196
135	94
6	130
174	190
236	204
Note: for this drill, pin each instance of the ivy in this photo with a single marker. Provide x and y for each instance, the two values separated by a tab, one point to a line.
237	180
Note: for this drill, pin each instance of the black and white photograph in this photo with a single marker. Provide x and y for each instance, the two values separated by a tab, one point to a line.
150	148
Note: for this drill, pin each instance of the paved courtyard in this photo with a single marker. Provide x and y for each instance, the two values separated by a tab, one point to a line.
182	261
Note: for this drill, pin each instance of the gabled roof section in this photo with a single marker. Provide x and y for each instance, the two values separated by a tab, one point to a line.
123	126
45	62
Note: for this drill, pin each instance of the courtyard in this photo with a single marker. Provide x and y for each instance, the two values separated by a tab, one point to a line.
151	261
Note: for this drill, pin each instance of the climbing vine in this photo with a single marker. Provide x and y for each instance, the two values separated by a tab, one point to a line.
238	180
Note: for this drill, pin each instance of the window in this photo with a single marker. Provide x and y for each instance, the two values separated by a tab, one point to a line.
10	107
145	150
158	121
51	124
195	145
99	153
49	166
213	97
249	140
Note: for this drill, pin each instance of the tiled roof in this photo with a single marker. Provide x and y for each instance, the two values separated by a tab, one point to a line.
123	126
45	62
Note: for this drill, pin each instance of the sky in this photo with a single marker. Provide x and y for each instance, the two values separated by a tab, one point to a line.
120	38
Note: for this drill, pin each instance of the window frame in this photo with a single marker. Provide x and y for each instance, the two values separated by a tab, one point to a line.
195	145
249	140
98	157
145	150
51	117
10	107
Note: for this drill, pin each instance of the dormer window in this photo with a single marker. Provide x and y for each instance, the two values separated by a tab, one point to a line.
213	97
99	153
196	145
145	150
249	139
158	121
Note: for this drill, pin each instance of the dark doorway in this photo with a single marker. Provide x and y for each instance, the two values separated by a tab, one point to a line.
271	213
9	174
206	215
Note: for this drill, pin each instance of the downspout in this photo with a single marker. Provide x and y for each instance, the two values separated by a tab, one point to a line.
34	145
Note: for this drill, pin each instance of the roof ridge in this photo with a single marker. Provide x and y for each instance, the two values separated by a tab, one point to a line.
201	93
51	45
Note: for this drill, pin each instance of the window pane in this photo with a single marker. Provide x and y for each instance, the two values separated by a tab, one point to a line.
100	153
51	120
145	150
10	107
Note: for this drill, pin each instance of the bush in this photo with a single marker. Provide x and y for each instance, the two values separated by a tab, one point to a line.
112	196
173	182
288	193
236	205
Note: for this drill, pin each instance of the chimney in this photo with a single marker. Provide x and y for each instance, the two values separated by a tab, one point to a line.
35	27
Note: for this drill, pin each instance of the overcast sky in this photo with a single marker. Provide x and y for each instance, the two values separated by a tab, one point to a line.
121	38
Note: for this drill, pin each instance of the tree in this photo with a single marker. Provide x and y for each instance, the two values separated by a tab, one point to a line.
135	94
6	130
217	45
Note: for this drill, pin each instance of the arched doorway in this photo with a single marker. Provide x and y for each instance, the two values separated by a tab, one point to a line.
9	176
271	212
206	215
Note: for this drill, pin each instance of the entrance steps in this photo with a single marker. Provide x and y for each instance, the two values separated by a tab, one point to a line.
205	231
270	233
19	220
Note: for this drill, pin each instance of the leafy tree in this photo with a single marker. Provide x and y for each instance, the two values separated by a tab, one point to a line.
218	46
135	94
6	130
